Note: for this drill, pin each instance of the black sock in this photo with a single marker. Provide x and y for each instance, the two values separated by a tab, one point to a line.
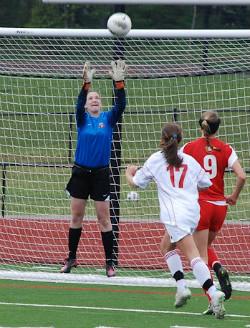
217	266
207	284
108	244
74	237
178	275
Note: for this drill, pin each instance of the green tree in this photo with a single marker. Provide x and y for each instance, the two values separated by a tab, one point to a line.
15	13
35	13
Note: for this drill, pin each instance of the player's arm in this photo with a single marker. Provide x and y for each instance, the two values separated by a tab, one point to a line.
118	72
87	75
139	176
240	181
130	173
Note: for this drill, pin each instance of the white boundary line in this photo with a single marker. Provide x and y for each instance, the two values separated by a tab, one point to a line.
114	309
185	327
101	279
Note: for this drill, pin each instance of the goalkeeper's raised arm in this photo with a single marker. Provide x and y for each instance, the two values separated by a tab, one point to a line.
118	73
90	173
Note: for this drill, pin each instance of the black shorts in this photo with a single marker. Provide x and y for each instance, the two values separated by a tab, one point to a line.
85	182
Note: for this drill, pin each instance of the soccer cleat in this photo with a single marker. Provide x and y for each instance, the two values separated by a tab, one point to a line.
110	271
209	310
68	265
181	297
217	302
224	282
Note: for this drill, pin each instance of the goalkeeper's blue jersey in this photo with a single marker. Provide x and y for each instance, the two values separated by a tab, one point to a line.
94	138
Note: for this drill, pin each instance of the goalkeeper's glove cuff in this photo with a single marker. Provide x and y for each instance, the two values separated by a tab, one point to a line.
119	84
86	86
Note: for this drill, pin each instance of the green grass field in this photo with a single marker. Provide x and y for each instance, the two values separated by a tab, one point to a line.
35	304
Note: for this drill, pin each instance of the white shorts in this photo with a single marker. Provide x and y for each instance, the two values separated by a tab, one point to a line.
176	234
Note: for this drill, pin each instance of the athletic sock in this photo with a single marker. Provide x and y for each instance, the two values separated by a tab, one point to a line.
74	237
201	273
174	263
212	258
108	244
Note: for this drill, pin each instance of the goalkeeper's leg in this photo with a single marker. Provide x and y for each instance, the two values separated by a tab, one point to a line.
75	230
102	210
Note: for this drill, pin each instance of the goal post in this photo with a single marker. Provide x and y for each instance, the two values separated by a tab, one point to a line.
155	2
172	75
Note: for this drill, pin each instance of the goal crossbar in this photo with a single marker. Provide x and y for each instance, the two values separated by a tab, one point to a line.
136	33
155	2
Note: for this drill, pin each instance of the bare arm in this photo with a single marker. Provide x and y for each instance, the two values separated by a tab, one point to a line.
130	172
240	181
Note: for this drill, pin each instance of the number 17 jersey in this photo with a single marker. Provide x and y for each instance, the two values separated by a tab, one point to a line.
177	189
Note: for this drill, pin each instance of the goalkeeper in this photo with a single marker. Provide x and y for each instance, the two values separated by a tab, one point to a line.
90	173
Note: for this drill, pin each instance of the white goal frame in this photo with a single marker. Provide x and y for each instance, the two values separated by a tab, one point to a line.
155	2
171	33
42	32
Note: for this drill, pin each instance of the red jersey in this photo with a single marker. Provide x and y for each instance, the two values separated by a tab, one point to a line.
214	162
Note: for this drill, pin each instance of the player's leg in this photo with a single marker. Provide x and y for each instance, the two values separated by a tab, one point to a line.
201	239
221	273
78	189
174	264
75	230
202	274
100	194
102	211
213	260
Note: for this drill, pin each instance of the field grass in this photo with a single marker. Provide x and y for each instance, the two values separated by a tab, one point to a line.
33	304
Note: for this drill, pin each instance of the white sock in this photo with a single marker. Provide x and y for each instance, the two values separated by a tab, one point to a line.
211	291
174	263
181	284
200	270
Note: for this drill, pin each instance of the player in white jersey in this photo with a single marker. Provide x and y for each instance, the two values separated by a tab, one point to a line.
178	177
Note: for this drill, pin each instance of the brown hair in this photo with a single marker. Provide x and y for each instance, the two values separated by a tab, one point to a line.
209	123
171	136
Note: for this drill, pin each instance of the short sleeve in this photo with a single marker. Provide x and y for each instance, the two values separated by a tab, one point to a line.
232	158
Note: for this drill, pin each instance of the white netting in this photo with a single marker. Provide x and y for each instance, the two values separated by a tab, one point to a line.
168	79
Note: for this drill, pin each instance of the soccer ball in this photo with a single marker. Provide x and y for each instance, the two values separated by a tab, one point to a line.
119	24
133	196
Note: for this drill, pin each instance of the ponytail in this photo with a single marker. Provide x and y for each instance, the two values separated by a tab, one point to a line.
209	123
170	139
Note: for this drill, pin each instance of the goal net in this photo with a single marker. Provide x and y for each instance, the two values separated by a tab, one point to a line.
169	79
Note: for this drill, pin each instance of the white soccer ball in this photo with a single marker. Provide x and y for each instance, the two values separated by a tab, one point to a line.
119	24
133	196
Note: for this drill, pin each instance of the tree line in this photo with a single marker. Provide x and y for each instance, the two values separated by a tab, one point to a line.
34	13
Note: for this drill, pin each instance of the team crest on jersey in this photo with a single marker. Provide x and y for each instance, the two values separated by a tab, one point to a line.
101	125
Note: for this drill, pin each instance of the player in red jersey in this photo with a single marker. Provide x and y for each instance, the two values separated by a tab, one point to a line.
214	156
